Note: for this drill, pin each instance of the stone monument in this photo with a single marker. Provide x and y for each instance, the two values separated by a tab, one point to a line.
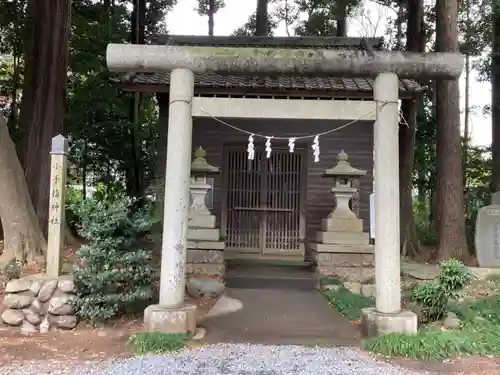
342	248
487	237
205	254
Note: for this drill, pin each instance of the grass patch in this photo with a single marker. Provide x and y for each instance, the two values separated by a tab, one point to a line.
157	342
330	280
479	335
349	304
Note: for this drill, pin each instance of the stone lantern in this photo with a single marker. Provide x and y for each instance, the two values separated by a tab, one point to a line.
200	171
345	179
205	250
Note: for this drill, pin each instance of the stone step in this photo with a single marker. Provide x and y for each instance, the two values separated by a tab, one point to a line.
206	245
271	283
356	238
342	248
203	234
344	224
201	221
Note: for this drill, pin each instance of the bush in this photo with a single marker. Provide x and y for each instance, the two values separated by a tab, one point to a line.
433	297
113	271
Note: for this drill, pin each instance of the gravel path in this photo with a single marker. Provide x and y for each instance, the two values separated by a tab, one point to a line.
229	359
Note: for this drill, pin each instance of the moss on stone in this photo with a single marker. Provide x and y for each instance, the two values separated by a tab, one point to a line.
254	52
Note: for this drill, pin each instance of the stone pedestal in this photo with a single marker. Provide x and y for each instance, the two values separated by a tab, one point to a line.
342	248
205	255
170	320
374	323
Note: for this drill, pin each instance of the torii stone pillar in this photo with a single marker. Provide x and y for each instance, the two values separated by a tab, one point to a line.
387	315
385	66
172	315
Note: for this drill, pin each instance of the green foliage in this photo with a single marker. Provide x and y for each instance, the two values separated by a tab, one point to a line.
433	296
434	343
157	342
349	304
478	335
113	271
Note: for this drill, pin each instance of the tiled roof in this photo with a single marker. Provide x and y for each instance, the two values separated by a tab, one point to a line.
274	83
280	83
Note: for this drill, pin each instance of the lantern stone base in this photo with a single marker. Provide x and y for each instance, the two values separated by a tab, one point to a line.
158	318
375	323
205	254
343	250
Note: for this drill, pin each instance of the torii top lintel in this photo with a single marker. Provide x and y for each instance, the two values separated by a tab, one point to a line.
256	61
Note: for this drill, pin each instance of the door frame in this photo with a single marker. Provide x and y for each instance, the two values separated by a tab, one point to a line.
302	147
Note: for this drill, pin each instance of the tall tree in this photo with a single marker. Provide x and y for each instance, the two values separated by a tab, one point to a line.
261	18
23	238
209	8
44	90
452	240
495	96
415	41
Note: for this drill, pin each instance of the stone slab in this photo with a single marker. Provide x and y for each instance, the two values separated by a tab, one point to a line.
201	221
334	224
205	256
158	318
358	238
374	323
203	234
206	245
194	269
355	274
344	248
345	260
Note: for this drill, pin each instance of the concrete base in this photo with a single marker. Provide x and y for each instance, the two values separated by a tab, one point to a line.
161	319
374	323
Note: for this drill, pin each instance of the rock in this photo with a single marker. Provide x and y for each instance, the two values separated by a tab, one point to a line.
66	286
223	306
353	287
368	290
45	325
331	287
17	301
28	328
199	334
205	287
60	306
35	287
32	317
64	321
18	285
37	307
12	317
452	321
47	290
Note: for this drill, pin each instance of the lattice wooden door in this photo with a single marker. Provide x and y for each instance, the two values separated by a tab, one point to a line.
264	202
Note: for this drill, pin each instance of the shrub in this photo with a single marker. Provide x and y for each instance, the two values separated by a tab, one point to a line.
433	297
113	271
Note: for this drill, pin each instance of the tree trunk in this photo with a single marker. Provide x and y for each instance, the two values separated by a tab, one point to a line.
342	20
415	42
452	242
495	97
211	14
44	89
261	18
23	238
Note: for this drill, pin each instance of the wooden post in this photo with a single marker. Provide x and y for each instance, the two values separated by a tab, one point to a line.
58	170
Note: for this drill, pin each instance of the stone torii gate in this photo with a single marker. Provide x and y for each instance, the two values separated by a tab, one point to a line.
172	315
